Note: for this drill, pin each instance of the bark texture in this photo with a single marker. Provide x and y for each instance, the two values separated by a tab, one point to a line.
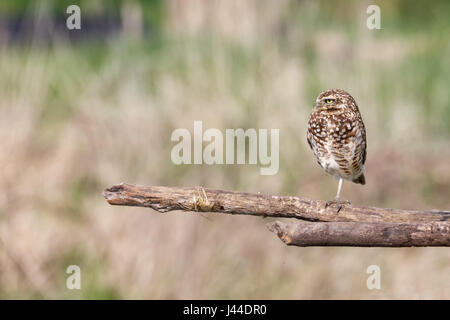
321	226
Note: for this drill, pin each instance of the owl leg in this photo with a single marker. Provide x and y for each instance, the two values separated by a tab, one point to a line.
337	200
338	194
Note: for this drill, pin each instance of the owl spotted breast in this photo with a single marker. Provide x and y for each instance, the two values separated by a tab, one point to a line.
337	137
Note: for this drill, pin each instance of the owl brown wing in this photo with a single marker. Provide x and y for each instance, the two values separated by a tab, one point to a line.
365	142
364	153
309	141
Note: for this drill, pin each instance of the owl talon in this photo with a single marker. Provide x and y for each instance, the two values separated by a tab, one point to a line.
338	202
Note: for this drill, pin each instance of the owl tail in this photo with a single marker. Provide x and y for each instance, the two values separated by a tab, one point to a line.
361	179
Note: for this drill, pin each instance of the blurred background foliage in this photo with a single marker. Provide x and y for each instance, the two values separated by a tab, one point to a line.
81	110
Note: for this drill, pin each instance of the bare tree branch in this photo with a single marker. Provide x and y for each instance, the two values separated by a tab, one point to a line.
165	199
362	234
352	226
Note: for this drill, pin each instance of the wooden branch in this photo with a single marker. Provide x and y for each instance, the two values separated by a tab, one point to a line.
165	199
362	234
352	226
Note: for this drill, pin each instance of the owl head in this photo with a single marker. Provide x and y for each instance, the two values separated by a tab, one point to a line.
333	101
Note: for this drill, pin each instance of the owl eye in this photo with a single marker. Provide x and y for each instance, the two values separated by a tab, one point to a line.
330	101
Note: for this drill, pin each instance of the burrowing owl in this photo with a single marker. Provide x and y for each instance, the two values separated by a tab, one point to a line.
337	136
